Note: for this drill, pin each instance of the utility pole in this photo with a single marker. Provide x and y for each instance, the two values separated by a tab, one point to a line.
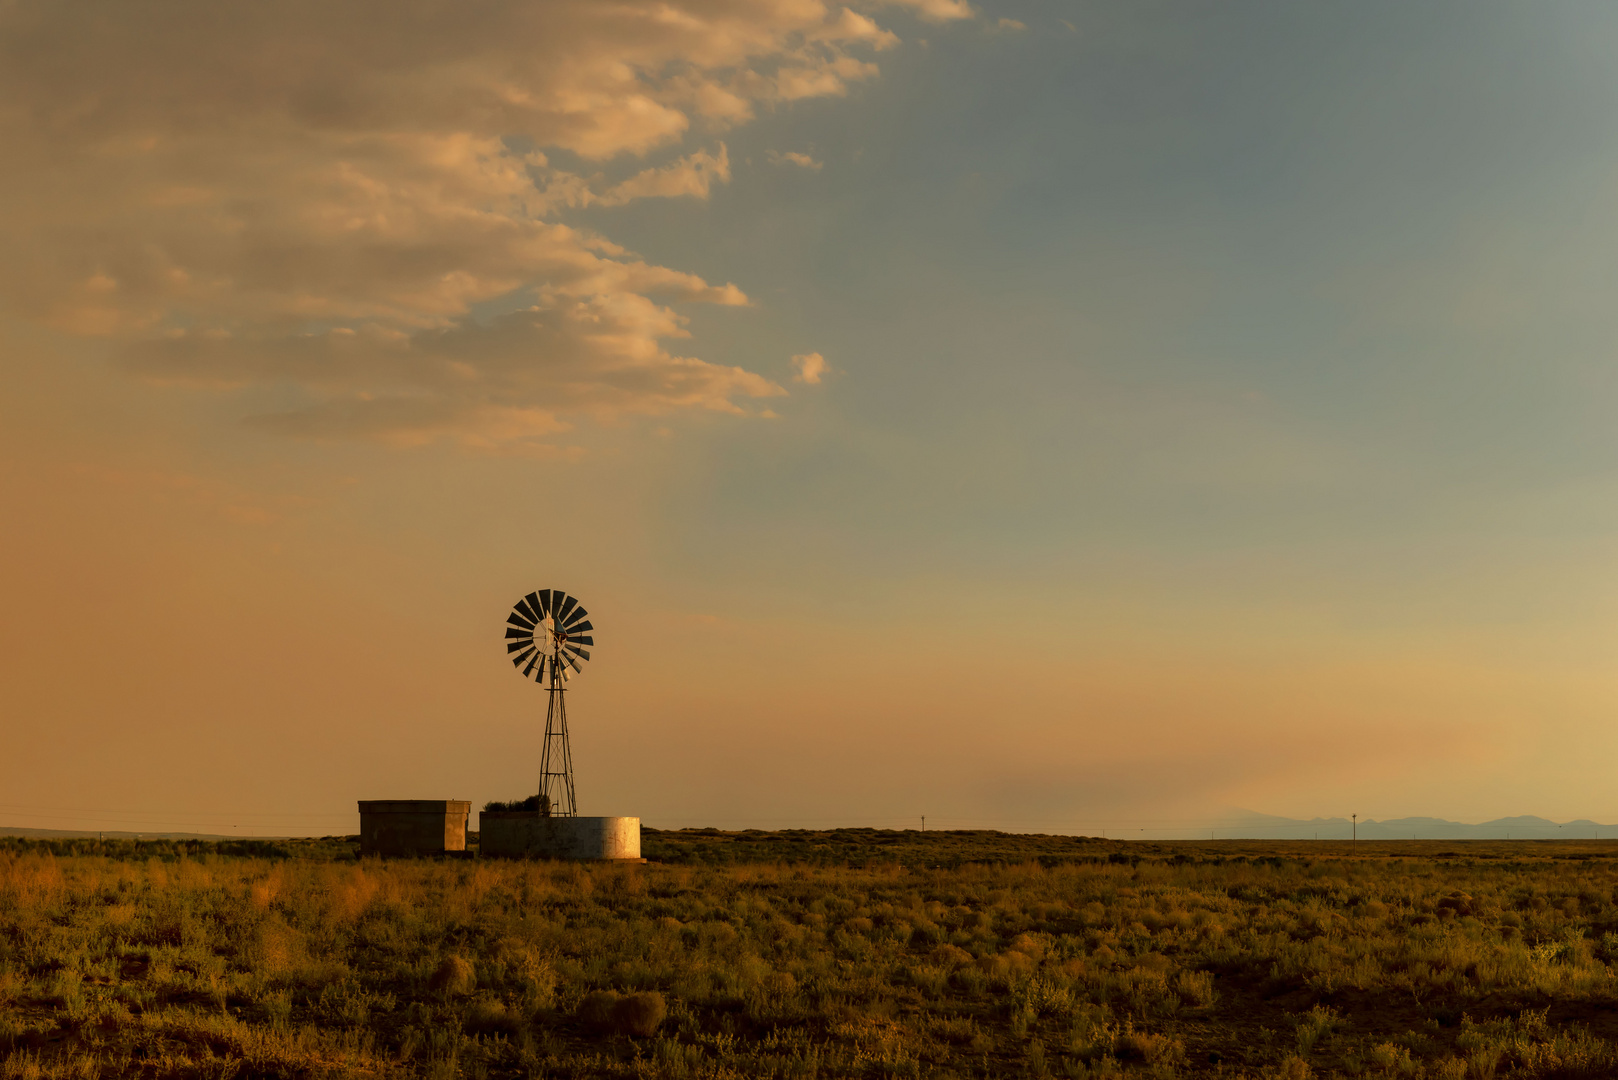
1354	844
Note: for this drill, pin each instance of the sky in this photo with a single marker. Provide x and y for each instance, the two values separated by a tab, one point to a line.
1055	417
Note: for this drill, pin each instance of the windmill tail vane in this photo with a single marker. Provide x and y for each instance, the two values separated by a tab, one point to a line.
548	638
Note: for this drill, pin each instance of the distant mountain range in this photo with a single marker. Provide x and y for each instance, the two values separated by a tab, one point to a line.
1246	825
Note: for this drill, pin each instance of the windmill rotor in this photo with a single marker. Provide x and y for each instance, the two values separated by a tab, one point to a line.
548	636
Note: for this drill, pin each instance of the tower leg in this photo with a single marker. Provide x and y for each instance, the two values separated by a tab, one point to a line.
556	761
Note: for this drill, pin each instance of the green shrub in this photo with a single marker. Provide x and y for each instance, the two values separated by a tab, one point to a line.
638	1014
487	1016
453	977
1149	1048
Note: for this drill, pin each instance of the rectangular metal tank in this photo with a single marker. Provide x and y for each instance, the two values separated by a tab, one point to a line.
413	826
526	834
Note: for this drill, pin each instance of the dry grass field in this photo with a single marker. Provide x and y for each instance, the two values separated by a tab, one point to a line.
853	953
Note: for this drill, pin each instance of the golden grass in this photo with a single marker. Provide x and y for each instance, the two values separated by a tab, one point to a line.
1113	960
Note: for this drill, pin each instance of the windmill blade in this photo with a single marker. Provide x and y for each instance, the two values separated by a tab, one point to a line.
513	646
516	618
580	653
538	658
544	604
518	632
567	603
583	640
528	607
580	627
578	614
517	660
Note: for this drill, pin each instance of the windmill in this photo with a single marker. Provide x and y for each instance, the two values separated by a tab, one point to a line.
546	635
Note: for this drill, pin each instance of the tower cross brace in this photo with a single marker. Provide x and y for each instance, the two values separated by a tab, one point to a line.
556	761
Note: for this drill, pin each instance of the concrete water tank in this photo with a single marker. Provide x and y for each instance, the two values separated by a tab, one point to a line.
526	834
413	826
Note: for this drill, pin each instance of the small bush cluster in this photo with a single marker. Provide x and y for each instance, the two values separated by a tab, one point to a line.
1165	962
531	803
626	1014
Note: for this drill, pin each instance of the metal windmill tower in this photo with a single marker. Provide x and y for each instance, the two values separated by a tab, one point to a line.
546	635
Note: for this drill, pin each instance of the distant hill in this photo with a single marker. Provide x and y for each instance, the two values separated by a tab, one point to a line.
1246	825
69	834
1235	825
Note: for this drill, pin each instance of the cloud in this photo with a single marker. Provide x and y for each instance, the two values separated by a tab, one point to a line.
691	176
810	368
510	382
358	205
1010	26
851	26
938	10
792	157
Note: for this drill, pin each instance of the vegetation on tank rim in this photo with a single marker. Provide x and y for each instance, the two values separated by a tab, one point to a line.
495	806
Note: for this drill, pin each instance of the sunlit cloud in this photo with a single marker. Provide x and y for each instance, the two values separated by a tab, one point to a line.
331	200
793	157
938	10
691	176
810	368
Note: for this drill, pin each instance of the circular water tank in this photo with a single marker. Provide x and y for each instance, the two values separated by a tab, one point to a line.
526	834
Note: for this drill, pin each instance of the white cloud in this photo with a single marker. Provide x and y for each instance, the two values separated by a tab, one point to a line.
793	157
318	196
810	368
